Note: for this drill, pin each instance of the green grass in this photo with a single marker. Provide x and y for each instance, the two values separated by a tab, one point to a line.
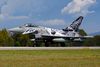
50	58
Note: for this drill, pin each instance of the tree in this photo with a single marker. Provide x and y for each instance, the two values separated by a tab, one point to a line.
96	40
22	40
92	41
82	32
89	42
5	39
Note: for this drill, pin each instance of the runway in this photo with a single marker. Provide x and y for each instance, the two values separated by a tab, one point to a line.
46	48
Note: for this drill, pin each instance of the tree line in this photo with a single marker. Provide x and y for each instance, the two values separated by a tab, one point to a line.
19	40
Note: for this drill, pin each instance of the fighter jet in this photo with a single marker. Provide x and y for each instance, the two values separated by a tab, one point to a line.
70	33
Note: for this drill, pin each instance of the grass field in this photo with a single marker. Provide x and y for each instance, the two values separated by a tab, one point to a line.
50	58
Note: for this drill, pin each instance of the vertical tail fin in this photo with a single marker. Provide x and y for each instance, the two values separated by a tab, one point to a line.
75	25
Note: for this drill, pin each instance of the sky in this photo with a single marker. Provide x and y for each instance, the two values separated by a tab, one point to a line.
50	13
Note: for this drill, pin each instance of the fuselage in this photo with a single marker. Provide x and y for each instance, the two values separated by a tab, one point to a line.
40	30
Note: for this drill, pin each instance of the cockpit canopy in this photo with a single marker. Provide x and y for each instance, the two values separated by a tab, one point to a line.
30	25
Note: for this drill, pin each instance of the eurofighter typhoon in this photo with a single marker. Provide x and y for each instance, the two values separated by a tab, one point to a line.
70	33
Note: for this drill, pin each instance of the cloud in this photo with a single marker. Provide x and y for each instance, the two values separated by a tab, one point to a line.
17	9
9	17
53	22
78	7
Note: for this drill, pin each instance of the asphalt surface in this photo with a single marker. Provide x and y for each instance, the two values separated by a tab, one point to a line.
46	48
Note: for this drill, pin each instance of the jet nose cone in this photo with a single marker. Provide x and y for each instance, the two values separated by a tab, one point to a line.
15	29
12	29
